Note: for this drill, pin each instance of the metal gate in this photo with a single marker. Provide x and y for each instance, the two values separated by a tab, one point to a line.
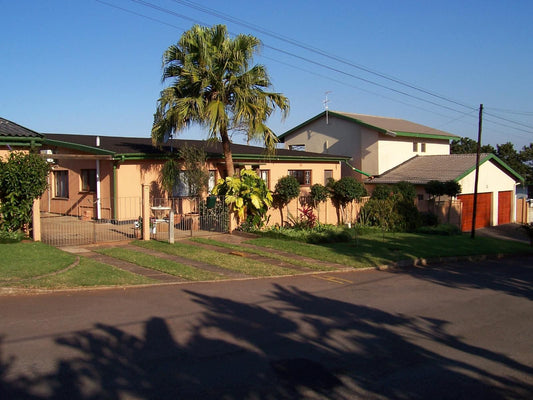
85	222
192	216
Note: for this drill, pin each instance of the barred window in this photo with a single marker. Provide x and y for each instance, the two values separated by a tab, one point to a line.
303	176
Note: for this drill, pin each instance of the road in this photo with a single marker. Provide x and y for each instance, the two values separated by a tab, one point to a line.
462	330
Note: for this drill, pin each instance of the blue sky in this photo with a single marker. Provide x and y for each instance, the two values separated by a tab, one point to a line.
87	67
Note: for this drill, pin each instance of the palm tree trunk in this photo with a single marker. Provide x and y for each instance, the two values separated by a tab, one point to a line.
226	148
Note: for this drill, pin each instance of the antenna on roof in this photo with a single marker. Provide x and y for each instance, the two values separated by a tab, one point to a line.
326	101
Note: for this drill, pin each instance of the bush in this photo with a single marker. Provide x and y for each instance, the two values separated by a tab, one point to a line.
321	233
319	193
429	219
381	192
11	237
442	229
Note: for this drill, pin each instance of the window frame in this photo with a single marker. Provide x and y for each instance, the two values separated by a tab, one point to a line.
267	180
61	184
305	173
85	180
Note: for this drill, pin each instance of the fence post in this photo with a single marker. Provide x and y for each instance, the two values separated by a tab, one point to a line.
36	220
146	211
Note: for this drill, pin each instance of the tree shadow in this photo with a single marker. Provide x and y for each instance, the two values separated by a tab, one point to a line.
296	345
514	276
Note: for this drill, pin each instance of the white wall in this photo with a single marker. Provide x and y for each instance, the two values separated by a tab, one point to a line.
491	179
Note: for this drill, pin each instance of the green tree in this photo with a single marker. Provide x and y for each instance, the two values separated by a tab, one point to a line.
23	178
344	191
215	86
286	189
247	195
466	145
508	154
526	155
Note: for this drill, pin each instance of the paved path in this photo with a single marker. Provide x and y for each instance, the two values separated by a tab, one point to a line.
454	331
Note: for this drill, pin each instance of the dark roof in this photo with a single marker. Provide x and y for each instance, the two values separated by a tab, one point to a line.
392	126
10	129
132	146
422	169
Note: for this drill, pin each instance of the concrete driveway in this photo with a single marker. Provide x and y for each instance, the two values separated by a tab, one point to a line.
448	332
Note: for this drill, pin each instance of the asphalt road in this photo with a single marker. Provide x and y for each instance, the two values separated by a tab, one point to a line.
455	331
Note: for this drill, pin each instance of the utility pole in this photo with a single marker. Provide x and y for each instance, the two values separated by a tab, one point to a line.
480	123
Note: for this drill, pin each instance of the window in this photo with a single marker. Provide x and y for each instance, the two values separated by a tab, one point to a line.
298	147
265	175
415	147
181	188
88	180
423	147
61	184
328	174
303	176
212	180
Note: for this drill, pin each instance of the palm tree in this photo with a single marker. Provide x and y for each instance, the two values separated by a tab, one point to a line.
214	86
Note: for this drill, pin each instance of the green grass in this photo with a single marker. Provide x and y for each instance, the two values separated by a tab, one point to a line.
87	273
28	259
264	253
230	262
374	249
160	264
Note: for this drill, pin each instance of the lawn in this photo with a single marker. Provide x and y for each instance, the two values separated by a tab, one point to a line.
230	262
160	264
264	253
374	248
22	263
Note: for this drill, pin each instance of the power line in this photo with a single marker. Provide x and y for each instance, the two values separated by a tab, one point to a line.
320	64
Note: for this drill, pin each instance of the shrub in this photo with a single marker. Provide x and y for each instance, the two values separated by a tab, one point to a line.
429	219
442	229
286	189
319	193
406	190
321	233
381	192
23	178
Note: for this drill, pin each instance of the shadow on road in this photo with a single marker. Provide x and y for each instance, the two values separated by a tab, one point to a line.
298	345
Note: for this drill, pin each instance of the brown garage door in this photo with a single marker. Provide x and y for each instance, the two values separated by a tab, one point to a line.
484	201
504	207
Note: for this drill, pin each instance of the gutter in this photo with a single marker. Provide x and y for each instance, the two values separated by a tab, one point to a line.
357	170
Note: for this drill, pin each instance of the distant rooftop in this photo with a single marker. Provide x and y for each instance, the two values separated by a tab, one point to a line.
10	129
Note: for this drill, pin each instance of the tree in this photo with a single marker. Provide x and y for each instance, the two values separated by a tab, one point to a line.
466	145
248	196
286	189
214	86
344	191
23	178
526	155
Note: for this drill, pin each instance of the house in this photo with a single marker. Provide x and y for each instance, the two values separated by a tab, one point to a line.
101	177
17	137
496	186
389	150
374	144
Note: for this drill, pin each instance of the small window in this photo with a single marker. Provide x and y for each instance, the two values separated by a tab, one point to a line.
88	180
265	175
328	174
61	184
420	197
303	176
181	188
423	147
298	147
415	147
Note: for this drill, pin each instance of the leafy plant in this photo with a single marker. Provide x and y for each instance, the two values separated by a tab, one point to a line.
286	189
23	178
344	191
189	168
381	192
247	195
319	194
406	190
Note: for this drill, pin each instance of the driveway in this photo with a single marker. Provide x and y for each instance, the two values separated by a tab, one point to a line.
460	330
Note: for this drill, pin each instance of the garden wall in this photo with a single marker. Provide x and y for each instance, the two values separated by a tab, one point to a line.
326	212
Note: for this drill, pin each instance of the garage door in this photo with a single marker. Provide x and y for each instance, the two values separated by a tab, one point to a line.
484	201
504	207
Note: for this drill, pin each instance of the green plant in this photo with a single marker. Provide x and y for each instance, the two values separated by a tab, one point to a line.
215	84
381	192
406	190
247	195
286	189
344	191
23	178
319	194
